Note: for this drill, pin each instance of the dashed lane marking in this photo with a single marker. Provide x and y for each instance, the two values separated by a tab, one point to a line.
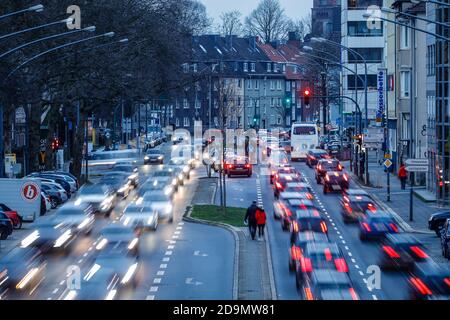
166	259
150	297
157	280
361	273
356	266
160	273
153	289
374	297
168	253
163	266
170	247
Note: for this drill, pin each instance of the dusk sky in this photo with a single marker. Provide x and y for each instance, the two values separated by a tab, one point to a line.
295	9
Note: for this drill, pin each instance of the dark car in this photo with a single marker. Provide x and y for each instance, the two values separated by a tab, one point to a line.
354	207
319	256
313	156
21	272
429	281
281	180
376	225
301	187
307	220
15	217
58	179
327	285
154	156
6	226
284	169
298	244
335	181
437	220
119	182
286	207
355	192
445	239
50	236
53	194
326	165
238	166
402	251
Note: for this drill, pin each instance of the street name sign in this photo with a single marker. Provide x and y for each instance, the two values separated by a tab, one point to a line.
417	162
413	168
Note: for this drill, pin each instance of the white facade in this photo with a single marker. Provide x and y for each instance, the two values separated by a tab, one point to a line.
369	39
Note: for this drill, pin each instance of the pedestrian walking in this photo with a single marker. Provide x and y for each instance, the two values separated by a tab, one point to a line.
71	166
250	219
403	175
261	222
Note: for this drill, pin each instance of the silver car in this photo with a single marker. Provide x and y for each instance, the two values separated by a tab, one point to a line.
158	201
140	217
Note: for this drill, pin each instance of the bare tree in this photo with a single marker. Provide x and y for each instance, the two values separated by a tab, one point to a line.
268	21
231	23
302	26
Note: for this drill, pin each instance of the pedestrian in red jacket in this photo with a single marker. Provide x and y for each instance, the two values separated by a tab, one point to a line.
261	222
403	175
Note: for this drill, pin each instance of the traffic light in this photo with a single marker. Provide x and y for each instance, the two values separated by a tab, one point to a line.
306	96
55	144
288	100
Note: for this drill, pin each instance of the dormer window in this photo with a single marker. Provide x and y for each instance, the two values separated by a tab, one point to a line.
253	66
245	67
284	68
269	67
194	67
275	67
236	65
185	67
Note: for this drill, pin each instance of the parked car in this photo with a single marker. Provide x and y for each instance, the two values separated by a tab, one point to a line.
445	239
15	217
6	226
437	221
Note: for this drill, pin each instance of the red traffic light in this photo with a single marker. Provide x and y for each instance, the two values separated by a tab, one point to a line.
306	92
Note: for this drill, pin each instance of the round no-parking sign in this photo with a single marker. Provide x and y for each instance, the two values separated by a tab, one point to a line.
30	191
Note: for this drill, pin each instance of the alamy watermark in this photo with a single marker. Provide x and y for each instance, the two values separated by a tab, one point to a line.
74	20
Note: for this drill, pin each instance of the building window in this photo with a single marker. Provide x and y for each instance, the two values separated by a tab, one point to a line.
197	104
372	55
236	65
177	122
269	67
404	37
216	105
198	86
272	102
278	120
185	103
431	60
272	84
275	67
253	66
279	85
239	83
194	66
361	29
249	84
363	4
371	82
256	84
245	67
177	104
284	68
186	122
185	67
405	84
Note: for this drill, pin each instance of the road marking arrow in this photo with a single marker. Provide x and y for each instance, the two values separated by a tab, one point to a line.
191	281
197	253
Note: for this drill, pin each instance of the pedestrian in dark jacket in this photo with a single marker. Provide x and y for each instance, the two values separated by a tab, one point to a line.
261	222
250	219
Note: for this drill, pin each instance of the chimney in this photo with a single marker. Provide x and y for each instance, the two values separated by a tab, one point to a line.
293	39
252	42
275	44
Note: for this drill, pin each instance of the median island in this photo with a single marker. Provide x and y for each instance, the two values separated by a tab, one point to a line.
233	216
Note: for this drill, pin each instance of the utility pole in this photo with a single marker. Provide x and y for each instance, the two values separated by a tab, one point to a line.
86	150
324	101
411	117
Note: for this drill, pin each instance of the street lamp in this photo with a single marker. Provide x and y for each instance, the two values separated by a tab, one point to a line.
89	29
68	20
36	8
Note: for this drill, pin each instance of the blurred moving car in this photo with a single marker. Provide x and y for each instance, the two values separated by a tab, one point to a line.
237	166
326	165
118	238
429	281
354	207
301	187
308	220
163	184
50	236
13	215
437	221
158	202
375	225
154	156
355	192
165	172
283	169
79	217
139	217
6	226
133	174
402	251
335	181
101	197
119	182
299	242
328	285
21	271
281	180
314	155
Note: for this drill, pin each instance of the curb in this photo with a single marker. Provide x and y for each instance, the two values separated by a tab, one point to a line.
273	289
187	217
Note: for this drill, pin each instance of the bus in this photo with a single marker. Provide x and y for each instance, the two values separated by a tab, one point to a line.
304	136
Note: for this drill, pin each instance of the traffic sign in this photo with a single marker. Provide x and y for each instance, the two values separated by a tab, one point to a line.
387	163
417	168
417	162
30	191
388	156
373	135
